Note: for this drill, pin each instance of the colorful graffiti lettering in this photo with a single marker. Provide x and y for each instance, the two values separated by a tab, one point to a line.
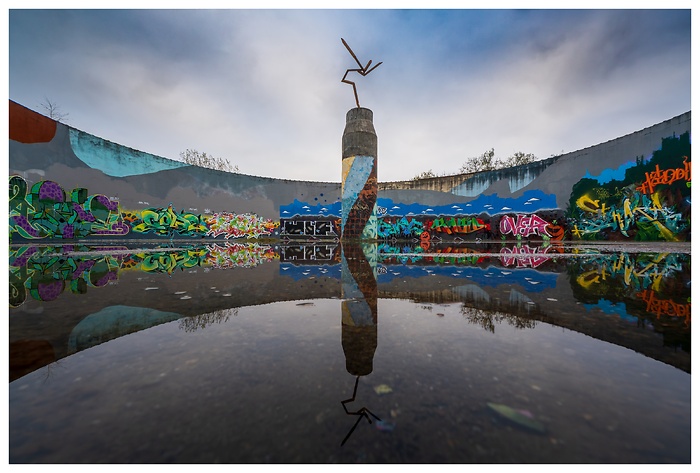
166	222
239	225
648	200
426	228
388	228
665	306
641	213
527	225
46	212
459	225
667	176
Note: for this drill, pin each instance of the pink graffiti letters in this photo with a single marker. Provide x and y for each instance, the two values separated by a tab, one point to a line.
525	226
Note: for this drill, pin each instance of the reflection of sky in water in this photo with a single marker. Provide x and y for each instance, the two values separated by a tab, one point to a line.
265	384
612	308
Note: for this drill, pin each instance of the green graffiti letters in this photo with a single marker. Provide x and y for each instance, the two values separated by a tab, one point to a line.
164	221
46	212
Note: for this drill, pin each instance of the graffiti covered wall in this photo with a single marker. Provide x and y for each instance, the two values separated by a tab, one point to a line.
66	184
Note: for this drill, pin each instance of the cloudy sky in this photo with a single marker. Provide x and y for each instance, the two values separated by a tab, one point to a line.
262	87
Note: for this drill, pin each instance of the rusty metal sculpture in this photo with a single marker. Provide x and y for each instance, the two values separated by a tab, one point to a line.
363	71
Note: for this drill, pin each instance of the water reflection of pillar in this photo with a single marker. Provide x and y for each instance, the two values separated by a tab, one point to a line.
359	306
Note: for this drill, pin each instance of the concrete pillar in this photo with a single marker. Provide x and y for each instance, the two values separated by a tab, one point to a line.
359	179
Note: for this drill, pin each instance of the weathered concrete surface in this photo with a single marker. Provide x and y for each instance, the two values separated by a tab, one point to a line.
554	175
359	177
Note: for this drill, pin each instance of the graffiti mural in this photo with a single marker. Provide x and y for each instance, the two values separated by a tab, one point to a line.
46	211
310	227
166	222
434	228
396	228
359	197
45	272
530	225
648	200
239	225
666	177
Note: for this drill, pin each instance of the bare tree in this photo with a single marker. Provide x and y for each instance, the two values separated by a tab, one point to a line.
425	175
518	159
485	162
53	110
195	158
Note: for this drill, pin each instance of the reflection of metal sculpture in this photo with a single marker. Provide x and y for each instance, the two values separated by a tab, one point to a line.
363	71
362	412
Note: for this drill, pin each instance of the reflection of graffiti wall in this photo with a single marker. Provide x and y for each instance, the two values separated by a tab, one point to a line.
44	273
636	187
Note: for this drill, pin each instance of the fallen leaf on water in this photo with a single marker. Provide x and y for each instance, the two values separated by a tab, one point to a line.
382	389
520	417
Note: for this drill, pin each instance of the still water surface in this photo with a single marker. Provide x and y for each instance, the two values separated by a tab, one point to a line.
334	366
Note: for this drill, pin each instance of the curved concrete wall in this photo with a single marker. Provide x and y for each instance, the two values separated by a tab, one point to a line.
67	184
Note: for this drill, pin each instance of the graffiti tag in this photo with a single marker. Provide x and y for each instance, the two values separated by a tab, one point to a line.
525	226
667	176
665	306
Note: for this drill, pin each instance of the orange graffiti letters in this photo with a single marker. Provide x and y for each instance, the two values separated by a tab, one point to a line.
667	176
